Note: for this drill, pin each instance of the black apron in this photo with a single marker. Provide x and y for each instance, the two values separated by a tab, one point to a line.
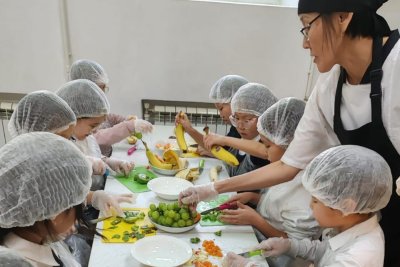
373	136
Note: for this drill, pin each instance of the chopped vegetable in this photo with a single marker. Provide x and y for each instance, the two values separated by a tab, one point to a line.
116	236
194	240
116	221
211	248
218	233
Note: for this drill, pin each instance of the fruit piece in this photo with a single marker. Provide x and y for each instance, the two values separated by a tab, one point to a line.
131	140
190	155
221	153
180	136
138	135
142	178
214	171
189	174
194	240
154	160
170	156
218	233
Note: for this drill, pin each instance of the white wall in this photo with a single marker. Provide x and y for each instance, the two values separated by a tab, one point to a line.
157	49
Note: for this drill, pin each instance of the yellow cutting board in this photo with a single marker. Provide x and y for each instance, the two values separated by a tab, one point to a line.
111	232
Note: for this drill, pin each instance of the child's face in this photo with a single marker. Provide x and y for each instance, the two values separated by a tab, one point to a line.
274	151
85	126
67	134
225	111
326	217
246	124
64	223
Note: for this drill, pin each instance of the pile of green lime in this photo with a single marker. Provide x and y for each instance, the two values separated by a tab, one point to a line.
172	215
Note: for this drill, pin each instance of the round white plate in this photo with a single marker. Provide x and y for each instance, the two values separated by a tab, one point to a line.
161	251
168	187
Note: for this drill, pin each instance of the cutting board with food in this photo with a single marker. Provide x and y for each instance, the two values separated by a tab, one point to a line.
135	225
211	219
137	179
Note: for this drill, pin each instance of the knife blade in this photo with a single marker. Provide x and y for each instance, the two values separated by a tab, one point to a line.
94	221
251	253
220	207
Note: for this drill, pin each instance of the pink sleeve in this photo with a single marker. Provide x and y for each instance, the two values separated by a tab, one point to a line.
115	134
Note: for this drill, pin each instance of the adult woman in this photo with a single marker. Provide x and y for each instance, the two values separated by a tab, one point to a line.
353	103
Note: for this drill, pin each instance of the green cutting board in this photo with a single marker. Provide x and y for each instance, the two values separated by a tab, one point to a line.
131	184
202	206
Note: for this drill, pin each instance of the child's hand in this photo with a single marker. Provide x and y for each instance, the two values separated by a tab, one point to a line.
203	152
142	126
98	166
184	120
243	198
120	166
213	139
231	259
105	202
244	215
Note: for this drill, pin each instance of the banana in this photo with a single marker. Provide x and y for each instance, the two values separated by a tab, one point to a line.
190	155
189	174
180	136
155	161
221	153
214	171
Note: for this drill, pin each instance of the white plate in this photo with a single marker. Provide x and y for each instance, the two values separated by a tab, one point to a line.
161	251
168	187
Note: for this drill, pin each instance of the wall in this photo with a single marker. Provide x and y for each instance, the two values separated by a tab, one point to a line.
157	49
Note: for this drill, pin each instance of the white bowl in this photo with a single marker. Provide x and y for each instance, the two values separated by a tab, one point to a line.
167	172
161	251
168	187
170	229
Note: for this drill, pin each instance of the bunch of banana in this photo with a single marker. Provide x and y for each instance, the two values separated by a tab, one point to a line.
214	171
180	135
221	153
155	161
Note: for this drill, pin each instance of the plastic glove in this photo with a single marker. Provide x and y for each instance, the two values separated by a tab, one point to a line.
233	260
195	194
398	186
98	166
274	246
142	126
106	203
120	166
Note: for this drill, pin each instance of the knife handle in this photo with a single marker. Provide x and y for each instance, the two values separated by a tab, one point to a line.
227	206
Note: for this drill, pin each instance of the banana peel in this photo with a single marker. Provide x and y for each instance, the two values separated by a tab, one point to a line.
172	157
189	174
180	136
214	172
154	160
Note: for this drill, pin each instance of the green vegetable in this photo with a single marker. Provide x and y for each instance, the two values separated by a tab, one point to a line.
116	236
194	240
142	178
116	221
218	233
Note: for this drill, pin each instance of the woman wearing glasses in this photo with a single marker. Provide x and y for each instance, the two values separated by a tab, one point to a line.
355	101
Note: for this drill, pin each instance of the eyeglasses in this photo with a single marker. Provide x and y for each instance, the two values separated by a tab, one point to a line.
307	28
245	123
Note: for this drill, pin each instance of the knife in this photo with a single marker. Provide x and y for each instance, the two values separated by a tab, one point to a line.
94	221
251	253
220	207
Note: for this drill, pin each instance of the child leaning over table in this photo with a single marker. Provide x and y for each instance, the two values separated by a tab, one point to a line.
115	127
349	185
282	210
91	107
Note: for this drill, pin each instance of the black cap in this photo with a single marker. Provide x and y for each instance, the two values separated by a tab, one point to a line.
329	6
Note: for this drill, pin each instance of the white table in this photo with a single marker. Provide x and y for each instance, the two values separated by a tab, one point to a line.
234	238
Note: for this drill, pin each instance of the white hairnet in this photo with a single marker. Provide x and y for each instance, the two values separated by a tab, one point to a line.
10	258
223	90
349	178
41	111
41	175
89	70
252	98
278	123
85	98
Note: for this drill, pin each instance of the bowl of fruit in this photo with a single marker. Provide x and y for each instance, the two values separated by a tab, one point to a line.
172	218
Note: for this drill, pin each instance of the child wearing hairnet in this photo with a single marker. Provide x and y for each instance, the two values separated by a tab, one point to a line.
44	179
349	185
91	107
282	210
249	102
221	94
45	111
115	127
